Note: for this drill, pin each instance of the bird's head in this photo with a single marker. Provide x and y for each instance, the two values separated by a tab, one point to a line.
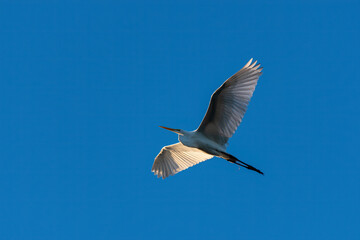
178	131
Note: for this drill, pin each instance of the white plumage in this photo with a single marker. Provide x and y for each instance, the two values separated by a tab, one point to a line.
177	157
227	107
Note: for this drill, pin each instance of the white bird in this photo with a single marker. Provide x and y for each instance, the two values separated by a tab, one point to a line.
224	114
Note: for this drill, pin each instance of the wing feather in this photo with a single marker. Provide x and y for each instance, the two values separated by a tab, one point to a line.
175	158
229	103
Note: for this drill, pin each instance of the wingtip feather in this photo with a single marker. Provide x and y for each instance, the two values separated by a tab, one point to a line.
248	63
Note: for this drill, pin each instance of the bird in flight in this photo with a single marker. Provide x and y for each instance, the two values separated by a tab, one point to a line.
224	114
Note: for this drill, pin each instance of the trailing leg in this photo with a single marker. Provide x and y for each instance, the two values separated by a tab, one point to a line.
232	159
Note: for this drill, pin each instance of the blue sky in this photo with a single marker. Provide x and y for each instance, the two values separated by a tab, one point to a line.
84	86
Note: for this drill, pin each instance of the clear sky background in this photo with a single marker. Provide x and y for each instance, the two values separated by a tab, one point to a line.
84	86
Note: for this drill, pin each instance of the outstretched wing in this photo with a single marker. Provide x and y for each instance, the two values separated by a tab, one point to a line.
175	158
228	104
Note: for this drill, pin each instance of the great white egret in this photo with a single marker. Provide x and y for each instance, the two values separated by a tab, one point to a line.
224	114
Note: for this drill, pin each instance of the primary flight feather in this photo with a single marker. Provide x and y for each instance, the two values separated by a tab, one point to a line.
227	107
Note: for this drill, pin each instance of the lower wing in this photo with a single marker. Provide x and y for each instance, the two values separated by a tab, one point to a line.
175	158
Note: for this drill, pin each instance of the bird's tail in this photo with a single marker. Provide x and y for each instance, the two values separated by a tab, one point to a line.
230	158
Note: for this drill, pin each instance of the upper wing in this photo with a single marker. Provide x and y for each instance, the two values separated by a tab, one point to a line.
175	158
229	103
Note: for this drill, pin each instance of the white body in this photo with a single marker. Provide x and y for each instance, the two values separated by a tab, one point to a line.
197	140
